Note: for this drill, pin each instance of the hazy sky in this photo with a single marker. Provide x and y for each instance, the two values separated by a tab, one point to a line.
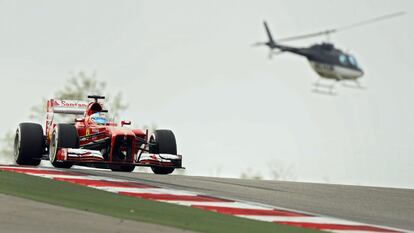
188	66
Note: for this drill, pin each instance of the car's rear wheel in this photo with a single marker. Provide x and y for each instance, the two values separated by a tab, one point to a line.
63	136
122	168
164	143
29	144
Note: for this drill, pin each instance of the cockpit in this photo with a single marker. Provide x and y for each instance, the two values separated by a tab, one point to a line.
348	60
99	118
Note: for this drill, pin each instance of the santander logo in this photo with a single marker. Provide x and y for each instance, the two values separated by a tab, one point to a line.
68	103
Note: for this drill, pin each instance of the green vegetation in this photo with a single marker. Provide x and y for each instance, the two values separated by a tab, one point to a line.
111	204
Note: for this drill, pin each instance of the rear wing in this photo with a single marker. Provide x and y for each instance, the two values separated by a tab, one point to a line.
75	107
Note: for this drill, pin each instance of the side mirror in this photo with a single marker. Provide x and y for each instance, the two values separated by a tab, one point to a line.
125	123
79	119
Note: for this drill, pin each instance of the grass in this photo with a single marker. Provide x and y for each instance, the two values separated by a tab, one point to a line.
124	207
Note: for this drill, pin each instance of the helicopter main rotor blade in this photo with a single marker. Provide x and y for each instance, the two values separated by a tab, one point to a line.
347	27
259	44
305	36
372	20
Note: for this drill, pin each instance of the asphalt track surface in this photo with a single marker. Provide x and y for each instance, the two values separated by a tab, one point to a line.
21	215
373	205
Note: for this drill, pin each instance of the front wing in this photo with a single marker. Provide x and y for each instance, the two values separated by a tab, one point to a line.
95	156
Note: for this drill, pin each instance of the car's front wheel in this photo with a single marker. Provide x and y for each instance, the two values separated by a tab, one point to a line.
64	136
162	170
122	168
164	143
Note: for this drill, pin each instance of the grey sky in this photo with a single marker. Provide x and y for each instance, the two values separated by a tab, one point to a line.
188	66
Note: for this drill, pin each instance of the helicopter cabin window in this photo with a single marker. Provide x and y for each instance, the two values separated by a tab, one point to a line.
352	60
343	60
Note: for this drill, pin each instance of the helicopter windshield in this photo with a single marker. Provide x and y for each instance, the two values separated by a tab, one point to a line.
353	61
343	60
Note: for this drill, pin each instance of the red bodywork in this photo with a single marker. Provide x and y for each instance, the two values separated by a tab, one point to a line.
116	143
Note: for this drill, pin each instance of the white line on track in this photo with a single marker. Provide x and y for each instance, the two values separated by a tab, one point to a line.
146	190
234	204
311	219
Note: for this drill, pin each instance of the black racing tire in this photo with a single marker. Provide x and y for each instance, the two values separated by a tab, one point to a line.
63	136
162	170
165	143
122	168
29	144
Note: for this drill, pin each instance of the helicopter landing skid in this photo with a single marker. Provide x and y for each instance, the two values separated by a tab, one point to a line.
322	88
324	92
356	86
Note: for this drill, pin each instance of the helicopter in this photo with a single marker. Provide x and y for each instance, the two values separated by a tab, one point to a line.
327	61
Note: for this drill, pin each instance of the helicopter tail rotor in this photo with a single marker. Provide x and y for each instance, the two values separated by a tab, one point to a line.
270	55
271	44
273	53
259	44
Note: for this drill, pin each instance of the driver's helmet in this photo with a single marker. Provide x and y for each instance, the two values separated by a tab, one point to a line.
99	118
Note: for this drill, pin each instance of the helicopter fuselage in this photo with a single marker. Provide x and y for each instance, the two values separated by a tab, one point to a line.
327	61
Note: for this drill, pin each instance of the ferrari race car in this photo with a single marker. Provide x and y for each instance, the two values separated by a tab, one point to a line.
92	140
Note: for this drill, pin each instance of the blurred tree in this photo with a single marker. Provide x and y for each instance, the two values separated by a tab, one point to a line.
250	174
7	147
78	87
279	171
215	171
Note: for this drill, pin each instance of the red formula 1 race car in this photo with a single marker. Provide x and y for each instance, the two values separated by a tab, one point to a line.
92	140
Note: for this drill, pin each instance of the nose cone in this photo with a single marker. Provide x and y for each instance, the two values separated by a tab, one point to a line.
360	73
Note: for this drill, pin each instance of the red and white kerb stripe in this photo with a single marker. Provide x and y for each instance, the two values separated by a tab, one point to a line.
242	209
